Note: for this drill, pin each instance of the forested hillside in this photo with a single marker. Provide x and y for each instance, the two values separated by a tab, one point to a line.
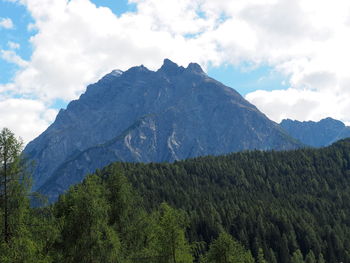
277	201
103	220
285	207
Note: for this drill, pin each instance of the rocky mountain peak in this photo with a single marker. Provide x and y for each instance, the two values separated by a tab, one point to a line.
136	72
144	116
170	68
330	121
194	67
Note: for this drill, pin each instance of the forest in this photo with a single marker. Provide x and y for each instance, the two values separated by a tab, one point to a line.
254	206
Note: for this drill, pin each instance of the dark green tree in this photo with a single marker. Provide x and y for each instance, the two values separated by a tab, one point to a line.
310	257
321	259
297	257
261	258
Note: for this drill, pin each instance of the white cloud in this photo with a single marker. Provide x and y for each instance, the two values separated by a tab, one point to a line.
6	23
12	57
307	40
13	45
27	118
297	104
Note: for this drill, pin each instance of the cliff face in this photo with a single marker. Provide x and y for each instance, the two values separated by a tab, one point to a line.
145	116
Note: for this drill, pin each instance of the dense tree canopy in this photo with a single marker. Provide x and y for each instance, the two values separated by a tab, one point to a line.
275	201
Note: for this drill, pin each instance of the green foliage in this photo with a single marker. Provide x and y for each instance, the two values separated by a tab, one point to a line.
17	242
260	258
297	257
310	257
170	243
321	259
283	207
227	250
277	201
86	235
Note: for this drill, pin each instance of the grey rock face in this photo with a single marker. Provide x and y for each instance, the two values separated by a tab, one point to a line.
146	116
316	134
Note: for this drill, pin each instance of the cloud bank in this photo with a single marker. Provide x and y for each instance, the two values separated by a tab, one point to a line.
77	42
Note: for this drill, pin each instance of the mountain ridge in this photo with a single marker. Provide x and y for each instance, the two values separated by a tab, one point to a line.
316	134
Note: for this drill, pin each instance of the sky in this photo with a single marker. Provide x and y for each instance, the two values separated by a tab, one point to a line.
290	58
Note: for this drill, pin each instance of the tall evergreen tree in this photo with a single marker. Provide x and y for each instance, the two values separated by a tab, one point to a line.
18	243
310	257
226	250
10	149
261	258
171	245
297	257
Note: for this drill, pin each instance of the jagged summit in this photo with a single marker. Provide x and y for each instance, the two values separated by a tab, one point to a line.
194	67
170	68
328	121
148	116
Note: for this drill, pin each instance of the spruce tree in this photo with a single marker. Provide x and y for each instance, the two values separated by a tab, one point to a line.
227	250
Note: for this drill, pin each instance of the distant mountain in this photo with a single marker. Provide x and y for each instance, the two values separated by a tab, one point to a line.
316	134
144	116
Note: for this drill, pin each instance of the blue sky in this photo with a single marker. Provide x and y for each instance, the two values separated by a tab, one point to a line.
118	7
51	50
18	34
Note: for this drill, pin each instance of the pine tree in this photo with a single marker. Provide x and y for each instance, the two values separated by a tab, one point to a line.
297	257
310	257
226	250
18	243
261	258
171	245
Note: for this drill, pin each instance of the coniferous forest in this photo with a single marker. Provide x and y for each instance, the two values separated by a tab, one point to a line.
288	207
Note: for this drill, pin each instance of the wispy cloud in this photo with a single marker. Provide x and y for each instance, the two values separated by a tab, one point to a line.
12	57
13	45
6	23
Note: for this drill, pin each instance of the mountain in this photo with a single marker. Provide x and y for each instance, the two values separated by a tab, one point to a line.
316	134
148	116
